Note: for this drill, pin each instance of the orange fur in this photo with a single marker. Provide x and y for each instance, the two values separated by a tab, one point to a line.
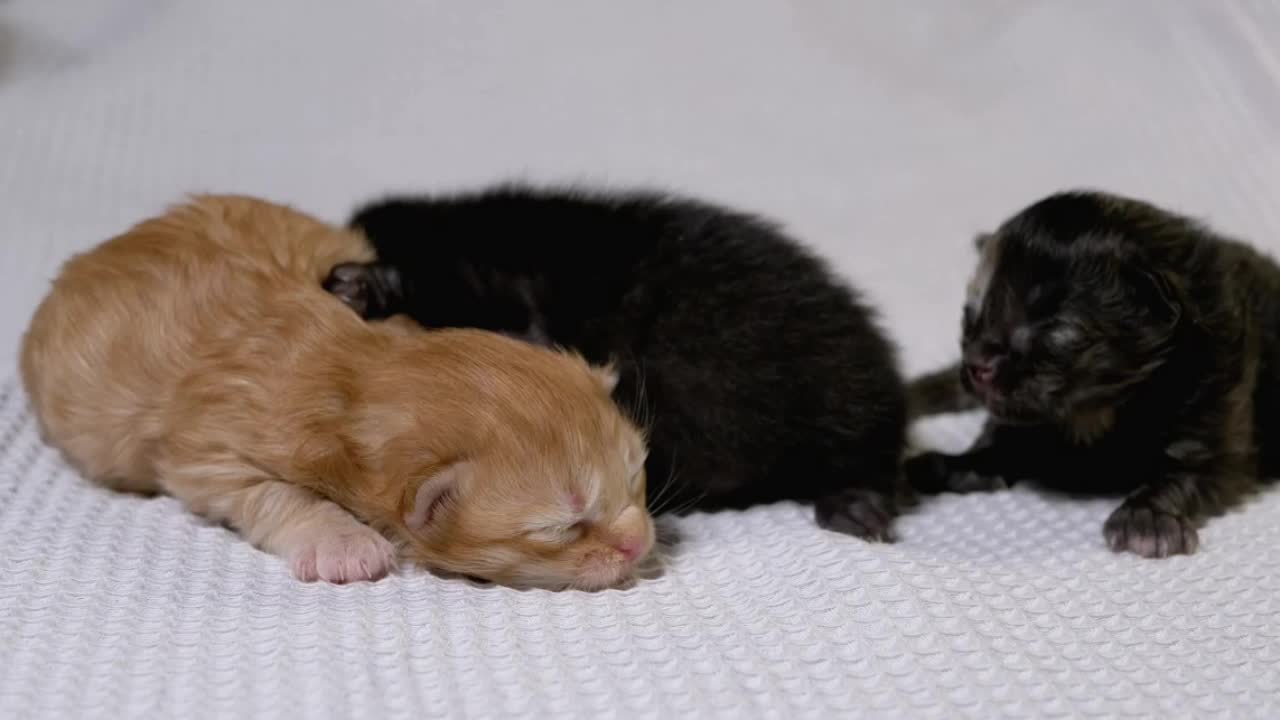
197	354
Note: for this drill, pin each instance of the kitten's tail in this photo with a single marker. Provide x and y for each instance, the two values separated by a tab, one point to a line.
938	392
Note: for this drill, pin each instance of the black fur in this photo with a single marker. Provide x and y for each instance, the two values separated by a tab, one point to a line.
1119	348
758	376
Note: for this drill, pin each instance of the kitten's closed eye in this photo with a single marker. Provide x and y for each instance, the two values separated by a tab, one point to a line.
1063	334
559	534
1021	337
1057	334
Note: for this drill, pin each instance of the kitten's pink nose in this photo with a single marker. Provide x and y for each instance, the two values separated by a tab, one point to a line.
631	548
982	372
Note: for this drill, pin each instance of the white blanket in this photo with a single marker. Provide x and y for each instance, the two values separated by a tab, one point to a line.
885	134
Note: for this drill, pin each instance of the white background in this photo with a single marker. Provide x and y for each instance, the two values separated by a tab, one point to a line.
884	133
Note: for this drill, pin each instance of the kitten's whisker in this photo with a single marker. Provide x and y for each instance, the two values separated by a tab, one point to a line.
662	495
682	505
689	504
641	414
667	493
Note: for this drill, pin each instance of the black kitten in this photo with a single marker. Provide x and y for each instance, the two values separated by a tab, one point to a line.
1117	347
758	376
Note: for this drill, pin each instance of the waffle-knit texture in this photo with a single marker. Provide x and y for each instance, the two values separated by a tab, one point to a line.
884	134
1005	605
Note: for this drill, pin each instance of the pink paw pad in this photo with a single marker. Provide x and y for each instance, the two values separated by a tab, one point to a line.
344	557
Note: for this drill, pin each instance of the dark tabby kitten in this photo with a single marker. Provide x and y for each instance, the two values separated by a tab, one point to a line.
1116	347
758	375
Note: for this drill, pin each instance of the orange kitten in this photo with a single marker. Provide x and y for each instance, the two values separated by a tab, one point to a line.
197	354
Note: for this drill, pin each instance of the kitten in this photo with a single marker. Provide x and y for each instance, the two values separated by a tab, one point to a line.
197	354
1117	347
760	377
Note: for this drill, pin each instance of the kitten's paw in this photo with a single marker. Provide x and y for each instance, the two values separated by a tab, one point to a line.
344	556
970	481
1139	529
863	514
349	282
931	473
926	472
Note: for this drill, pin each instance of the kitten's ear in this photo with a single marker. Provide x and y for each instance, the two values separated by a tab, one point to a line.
373	290
608	376
980	241
1163	293
432	493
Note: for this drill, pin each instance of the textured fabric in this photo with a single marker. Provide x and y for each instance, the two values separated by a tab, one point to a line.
885	134
999	606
